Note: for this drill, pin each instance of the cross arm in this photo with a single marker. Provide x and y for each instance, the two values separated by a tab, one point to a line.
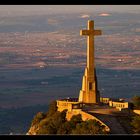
84	32
90	32
97	32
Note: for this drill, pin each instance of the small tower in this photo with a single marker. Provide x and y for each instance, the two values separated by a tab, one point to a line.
89	92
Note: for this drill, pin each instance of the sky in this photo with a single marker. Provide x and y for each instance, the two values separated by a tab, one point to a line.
31	9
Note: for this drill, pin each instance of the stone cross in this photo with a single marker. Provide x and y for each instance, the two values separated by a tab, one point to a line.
90	32
89	92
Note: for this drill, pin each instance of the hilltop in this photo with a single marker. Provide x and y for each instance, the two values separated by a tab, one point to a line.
55	122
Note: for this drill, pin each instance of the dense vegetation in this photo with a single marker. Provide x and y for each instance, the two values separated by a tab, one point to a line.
54	122
136	124
136	101
136	118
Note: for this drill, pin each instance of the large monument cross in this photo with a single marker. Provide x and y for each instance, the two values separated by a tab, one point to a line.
89	92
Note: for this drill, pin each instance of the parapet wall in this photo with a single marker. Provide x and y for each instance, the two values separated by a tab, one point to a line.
66	104
104	100
119	105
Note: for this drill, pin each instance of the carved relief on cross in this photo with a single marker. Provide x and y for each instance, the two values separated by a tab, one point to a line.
90	32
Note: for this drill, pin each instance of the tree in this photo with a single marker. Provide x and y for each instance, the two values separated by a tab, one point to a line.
51	124
43	122
89	127
65	128
76	118
136	101
136	124
81	128
46	129
38	117
52	108
58	119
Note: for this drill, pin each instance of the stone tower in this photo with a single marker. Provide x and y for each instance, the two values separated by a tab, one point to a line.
89	92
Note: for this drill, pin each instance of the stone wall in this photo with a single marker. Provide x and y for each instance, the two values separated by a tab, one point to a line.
62	105
136	111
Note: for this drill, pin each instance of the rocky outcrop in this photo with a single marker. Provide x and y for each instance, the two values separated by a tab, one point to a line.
33	130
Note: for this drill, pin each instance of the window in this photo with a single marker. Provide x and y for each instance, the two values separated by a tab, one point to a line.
90	86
